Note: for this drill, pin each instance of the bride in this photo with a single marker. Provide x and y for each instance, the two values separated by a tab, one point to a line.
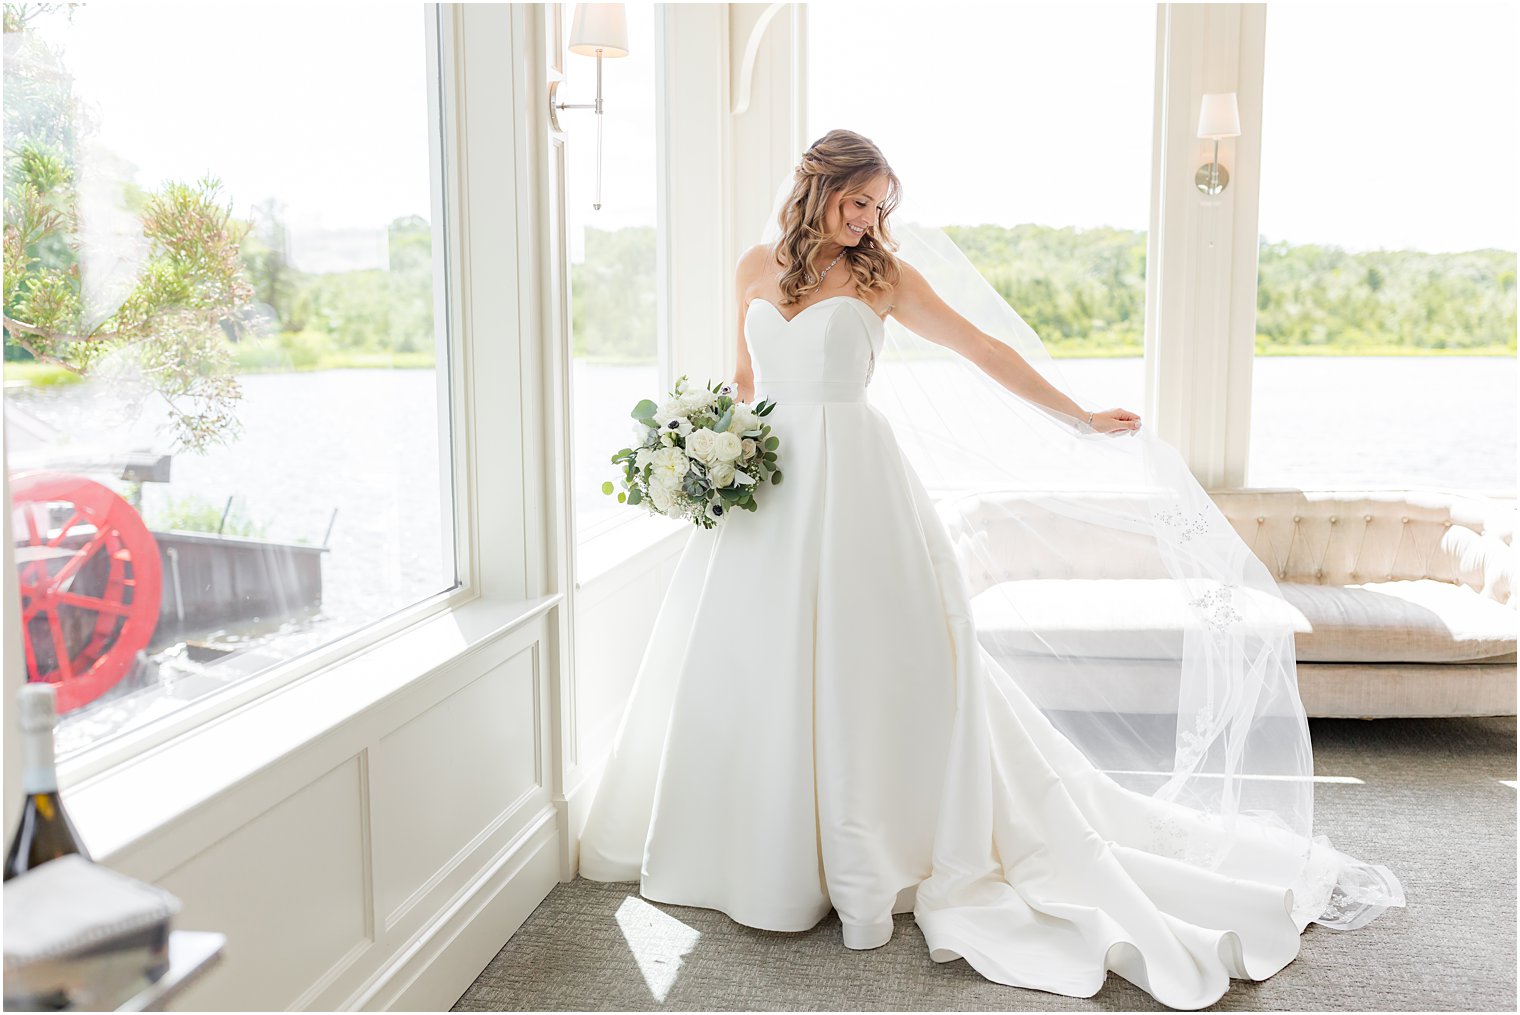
1049	708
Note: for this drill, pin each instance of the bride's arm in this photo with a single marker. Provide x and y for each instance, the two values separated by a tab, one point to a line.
919	308
744	372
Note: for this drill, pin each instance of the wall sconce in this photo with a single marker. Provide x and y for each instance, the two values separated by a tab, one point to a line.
1219	117
598	30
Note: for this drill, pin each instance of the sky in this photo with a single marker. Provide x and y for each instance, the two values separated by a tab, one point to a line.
1384	124
313	105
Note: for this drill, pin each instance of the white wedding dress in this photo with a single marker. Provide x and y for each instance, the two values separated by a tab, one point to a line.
814	725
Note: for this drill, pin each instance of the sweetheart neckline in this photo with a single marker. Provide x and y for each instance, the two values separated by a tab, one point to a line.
810	306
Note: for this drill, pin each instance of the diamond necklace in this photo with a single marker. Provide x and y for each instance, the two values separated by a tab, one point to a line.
835	261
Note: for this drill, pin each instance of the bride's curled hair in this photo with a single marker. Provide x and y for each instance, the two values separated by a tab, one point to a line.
833	165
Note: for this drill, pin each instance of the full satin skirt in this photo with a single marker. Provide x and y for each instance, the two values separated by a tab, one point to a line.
815	725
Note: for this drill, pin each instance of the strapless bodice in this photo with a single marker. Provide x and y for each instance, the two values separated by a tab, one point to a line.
826	353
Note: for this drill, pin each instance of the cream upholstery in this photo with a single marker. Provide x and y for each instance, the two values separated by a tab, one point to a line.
1426	621
1323	538
1401	601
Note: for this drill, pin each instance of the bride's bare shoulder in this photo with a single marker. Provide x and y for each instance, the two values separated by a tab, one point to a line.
756	264
757	257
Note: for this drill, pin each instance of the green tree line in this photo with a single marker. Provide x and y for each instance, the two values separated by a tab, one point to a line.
371	317
1083	292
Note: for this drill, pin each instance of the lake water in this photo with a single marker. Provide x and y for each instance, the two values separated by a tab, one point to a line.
1316	422
366	445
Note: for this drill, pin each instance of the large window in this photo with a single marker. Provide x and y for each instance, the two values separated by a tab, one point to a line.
1025	131
1386	305
614	296
225	374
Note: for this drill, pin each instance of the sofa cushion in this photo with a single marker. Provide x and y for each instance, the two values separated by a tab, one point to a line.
1425	621
1143	618
1111	618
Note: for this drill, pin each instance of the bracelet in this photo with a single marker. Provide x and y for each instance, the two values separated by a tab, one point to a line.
1089	419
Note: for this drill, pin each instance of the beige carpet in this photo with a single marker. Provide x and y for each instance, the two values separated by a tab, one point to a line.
1432	807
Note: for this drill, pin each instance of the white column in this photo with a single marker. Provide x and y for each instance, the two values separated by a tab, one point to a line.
731	122
558	411
1201	256
767	123
691	266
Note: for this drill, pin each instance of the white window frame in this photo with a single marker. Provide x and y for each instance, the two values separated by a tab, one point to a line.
492	302
684	265
116	750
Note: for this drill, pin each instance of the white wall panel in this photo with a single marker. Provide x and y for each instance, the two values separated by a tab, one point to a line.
456	770
289	889
614	615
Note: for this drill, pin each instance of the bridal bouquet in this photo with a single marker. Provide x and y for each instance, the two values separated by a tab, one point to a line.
697	455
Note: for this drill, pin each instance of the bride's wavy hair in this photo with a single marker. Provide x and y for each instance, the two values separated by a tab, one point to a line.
835	164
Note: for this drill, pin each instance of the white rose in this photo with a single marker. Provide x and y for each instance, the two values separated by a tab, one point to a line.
750	448
743	421
727	447
702	445
697	398
721	474
669	410
642	457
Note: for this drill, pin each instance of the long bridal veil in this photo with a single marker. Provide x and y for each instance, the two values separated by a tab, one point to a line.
1108	590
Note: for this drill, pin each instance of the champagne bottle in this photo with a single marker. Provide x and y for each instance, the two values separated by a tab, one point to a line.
45	832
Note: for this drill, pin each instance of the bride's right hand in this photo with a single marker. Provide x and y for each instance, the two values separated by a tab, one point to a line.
1115	421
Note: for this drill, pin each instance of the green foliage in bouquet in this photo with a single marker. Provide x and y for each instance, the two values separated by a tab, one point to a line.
698	455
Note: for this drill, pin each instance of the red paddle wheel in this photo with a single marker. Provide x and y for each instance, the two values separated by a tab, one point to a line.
90	586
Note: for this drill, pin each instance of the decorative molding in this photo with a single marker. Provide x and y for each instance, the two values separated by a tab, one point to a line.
439	964
742	81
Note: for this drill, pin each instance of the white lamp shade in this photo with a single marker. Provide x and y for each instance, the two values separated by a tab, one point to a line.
1219	116
599	26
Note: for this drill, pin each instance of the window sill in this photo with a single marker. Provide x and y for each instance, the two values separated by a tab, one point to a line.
627	546
131	801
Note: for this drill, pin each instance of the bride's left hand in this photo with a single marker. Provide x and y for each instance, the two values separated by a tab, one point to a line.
1116	421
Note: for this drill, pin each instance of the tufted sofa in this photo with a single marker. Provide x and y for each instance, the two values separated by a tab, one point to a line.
1401	602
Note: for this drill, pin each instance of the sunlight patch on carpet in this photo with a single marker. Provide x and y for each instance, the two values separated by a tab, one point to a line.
657	941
